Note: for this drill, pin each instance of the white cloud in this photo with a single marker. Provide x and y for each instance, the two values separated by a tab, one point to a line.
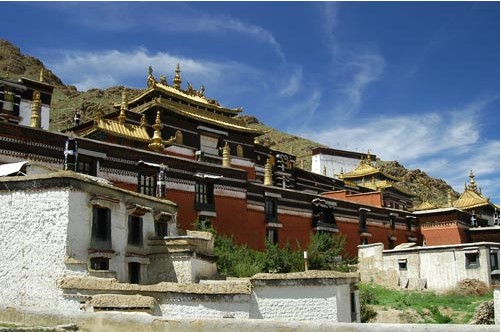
445	145
85	69
293	83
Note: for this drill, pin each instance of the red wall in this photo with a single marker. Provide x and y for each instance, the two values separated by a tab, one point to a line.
447	233
372	199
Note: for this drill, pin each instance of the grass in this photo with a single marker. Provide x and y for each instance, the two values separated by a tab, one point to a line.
429	306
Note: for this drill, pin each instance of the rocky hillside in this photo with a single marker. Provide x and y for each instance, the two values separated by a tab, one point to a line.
67	99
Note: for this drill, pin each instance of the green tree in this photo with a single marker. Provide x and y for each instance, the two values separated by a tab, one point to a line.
327	252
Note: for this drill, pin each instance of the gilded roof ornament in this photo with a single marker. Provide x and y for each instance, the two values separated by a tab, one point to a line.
177	78
41	75
156	141
123	107
143	121
163	80
226	155
267	173
472	185
151	80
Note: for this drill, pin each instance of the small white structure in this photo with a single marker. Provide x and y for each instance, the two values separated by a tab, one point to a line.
331	162
436	268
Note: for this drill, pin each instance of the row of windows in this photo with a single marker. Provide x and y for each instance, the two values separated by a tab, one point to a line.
101	229
103	264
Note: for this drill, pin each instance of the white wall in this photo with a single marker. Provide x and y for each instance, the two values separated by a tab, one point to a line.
333	164
210	306
33	248
25	113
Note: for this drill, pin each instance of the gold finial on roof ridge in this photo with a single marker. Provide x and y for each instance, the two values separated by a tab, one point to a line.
41	75
150	81
472	185
177	78
143	121
267	173
156	141
226	155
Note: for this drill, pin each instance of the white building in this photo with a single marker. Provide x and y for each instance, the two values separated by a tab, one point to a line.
74	242
436	268
331	162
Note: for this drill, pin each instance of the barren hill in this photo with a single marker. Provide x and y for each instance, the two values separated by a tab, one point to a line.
67	99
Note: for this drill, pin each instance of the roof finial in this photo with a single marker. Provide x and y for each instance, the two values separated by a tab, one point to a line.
472	185
150	80
41	75
268	177
226	155
35	110
143	121
156	141
123	107
177	79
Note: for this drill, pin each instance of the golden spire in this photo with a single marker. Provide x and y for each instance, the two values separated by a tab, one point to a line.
41	75
267	173
150	82
226	155
143	121
156	141
35	110
177	79
123	108
472	185
449	198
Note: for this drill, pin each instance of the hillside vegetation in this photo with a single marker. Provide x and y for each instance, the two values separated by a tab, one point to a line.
67	99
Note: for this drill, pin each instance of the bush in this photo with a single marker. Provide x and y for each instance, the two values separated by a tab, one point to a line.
367	296
325	252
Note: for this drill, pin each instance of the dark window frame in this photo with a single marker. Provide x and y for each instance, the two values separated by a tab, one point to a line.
204	196
161	229
402	265
134	272
135	230
100	263
494	260
86	165
472	260
272	235
147	184
101	228
270	209
362	220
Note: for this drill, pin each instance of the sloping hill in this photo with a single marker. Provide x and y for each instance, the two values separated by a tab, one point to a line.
67	99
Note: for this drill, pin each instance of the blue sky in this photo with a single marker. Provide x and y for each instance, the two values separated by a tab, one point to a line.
416	82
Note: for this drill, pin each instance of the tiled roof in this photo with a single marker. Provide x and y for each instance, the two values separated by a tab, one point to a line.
118	129
470	199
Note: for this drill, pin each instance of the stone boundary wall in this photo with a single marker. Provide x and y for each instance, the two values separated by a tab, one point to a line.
132	322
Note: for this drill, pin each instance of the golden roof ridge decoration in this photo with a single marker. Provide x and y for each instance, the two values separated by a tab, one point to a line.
425	205
471	197
365	168
157	143
190	93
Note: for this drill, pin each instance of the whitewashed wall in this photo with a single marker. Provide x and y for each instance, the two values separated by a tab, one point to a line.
209	306
333	164
33	248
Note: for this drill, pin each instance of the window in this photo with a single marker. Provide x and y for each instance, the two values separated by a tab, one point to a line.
100	263
494	260
353	306
362	220
329	216
86	166
204	196
392	221
208	144
161	229
272	235
101	228
408	221
147	184
471	258
402	264
134	272
135	231
270	209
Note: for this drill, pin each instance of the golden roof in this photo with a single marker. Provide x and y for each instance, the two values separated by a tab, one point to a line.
199	115
424	206
471	197
190	94
383	184
118	128
365	168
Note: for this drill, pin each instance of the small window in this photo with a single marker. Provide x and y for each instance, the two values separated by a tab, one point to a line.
161	229
86	165
270	209
100	263
204	196
353	306
101	228
392	221
494	260
329	216
135	231
472	261
402	264
362	221
272	235
147	184
409	223
134	272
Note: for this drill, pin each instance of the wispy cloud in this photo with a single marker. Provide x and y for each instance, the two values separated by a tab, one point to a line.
85	69
293	83
164	17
